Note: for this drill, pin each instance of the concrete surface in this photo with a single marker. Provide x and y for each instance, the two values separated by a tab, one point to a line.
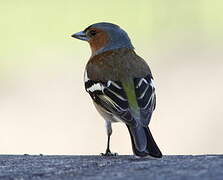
27	167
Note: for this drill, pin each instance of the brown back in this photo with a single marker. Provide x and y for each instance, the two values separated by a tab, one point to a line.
117	65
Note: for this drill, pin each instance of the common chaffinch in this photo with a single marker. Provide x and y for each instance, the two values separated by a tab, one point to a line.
121	85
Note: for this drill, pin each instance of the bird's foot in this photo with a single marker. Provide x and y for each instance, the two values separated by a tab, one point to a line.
108	153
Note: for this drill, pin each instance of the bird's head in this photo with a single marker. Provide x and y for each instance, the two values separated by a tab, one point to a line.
104	37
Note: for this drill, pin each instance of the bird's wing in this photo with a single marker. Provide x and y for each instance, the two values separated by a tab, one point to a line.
132	102
146	97
111	96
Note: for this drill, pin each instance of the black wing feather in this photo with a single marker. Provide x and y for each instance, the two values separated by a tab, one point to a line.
112	97
146	98
117	102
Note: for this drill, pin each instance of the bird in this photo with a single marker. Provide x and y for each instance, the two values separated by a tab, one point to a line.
121	85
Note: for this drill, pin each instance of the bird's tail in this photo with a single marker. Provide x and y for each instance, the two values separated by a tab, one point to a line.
143	143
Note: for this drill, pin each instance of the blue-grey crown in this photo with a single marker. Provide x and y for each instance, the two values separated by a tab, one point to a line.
118	38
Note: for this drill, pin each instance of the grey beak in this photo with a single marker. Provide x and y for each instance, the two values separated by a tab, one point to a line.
80	35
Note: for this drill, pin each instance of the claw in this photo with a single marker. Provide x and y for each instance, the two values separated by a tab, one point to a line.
108	153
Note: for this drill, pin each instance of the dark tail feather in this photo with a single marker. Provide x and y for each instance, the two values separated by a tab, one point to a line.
143	143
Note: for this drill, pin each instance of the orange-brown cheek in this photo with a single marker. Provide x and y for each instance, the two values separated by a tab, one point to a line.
98	42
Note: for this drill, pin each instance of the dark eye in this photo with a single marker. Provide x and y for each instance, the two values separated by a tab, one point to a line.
92	33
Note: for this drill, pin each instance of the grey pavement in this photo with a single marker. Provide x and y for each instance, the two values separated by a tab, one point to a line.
27	167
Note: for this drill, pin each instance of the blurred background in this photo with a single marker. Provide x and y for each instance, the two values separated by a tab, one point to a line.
44	107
